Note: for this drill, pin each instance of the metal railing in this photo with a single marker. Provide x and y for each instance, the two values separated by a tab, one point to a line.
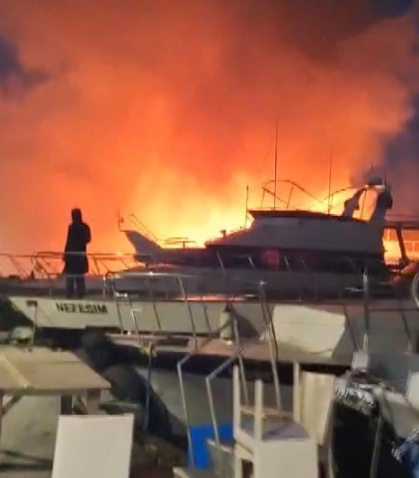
238	355
268	328
111	280
214	334
49	265
15	265
400	309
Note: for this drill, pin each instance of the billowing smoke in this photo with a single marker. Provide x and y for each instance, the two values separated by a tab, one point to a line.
168	108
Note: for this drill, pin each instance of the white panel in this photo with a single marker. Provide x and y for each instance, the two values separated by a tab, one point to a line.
93	446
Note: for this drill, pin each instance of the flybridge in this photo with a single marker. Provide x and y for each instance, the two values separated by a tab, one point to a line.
297	214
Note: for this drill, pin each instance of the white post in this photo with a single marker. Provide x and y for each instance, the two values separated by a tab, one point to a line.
258	416
236	399
296	392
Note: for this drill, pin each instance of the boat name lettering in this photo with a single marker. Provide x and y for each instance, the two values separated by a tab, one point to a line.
73	308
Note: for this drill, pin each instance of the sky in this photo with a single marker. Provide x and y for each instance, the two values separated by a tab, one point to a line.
168	108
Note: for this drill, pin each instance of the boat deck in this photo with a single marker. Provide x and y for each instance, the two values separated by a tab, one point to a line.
201	347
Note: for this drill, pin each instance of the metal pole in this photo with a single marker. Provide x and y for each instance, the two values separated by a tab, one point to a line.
185	408
365	291
377	447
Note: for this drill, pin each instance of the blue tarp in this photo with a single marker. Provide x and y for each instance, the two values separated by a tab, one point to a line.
199	436
408	454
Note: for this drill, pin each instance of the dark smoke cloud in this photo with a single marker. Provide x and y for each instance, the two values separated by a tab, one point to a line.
168	108
14	77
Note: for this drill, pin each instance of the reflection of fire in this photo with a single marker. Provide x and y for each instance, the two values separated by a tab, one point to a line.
392	251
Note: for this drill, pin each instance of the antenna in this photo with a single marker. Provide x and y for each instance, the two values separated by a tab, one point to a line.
247	205
119	219
276	162
329	199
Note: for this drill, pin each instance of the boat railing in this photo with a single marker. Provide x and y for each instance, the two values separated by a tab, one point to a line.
370	309
123	269
46	267
185	242
140	227
240	349
292	185
110	283
300	265
15	265
231	322
100	261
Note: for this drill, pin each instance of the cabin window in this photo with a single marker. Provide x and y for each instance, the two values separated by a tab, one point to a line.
271	259
300	261
237	261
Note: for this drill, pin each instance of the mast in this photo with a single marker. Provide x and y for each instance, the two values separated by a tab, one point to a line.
276	162
247	206
329	199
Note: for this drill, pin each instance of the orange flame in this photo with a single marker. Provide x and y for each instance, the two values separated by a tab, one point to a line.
168	109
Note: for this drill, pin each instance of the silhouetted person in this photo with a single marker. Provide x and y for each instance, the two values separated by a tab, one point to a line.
75	259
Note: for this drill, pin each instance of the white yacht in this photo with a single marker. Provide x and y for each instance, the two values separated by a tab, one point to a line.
291	250
283	256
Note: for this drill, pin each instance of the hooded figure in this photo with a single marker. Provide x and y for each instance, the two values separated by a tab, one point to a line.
75	259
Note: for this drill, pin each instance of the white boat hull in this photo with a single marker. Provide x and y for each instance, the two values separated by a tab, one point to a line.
324	329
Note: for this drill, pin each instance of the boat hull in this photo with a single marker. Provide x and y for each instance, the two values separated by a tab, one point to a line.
326	329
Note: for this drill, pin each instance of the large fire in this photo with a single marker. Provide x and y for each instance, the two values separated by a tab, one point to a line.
168	109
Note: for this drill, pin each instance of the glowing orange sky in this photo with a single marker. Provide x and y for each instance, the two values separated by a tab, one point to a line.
168	109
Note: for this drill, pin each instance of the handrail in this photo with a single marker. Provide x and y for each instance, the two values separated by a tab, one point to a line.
141	227
293	184
238	355
368	310
211	336
179	367
14	261
149	276
46	266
